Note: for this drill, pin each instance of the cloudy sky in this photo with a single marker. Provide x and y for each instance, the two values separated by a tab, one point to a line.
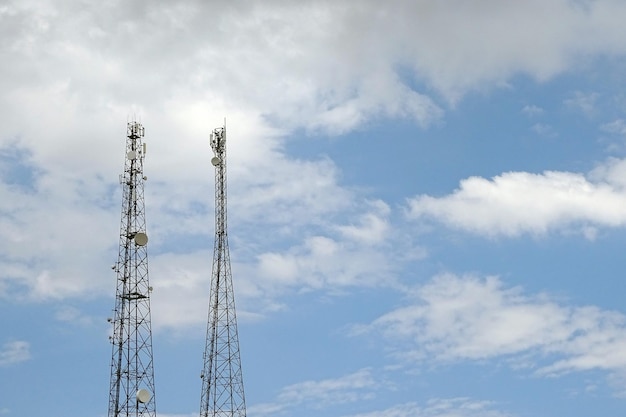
427	202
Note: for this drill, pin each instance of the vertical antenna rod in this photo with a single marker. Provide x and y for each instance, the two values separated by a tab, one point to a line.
222	382
132	373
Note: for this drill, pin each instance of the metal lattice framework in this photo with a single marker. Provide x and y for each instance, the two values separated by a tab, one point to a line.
132	373
222	382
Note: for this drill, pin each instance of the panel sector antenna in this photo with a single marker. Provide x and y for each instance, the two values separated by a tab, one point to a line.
222	382
132	373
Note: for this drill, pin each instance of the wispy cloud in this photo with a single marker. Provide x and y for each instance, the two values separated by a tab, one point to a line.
544	129
73	315
327	255
14	352
450	407
177	415
321	394
455	318
532	110
583	102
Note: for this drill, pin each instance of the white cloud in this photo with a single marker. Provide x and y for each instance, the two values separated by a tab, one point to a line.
362	386
181	289
616	133
329	391
45	228
456	318
617	126
288	192
177	415
532	110
44	258
317	65
516	203
373	227
544	129
583	102
14	352
73	315
345	256
358	386
611	172
331	263
323	262
450	407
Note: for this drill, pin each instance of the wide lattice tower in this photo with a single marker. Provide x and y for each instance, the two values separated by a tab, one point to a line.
222	382
132	373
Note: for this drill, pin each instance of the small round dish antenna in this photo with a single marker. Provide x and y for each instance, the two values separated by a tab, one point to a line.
143	396
141	239
215	161
131	155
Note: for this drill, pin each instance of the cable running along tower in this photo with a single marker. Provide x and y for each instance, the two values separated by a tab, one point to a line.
132	373
222	382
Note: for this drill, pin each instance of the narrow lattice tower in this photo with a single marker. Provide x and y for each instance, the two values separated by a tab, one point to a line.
222	382
132	374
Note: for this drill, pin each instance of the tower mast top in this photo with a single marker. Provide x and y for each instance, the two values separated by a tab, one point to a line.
222	382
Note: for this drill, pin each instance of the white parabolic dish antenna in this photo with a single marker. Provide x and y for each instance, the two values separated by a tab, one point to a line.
131	155
215	161
141	239
143	396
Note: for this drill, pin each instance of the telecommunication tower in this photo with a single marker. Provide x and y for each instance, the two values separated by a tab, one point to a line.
222	382
132	373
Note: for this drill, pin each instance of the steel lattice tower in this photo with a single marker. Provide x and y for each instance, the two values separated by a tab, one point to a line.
132	374
222	382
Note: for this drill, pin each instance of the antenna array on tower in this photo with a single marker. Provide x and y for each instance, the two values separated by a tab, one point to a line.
132	374
222	382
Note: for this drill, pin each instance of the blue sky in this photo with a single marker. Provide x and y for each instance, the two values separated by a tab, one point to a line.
427	202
